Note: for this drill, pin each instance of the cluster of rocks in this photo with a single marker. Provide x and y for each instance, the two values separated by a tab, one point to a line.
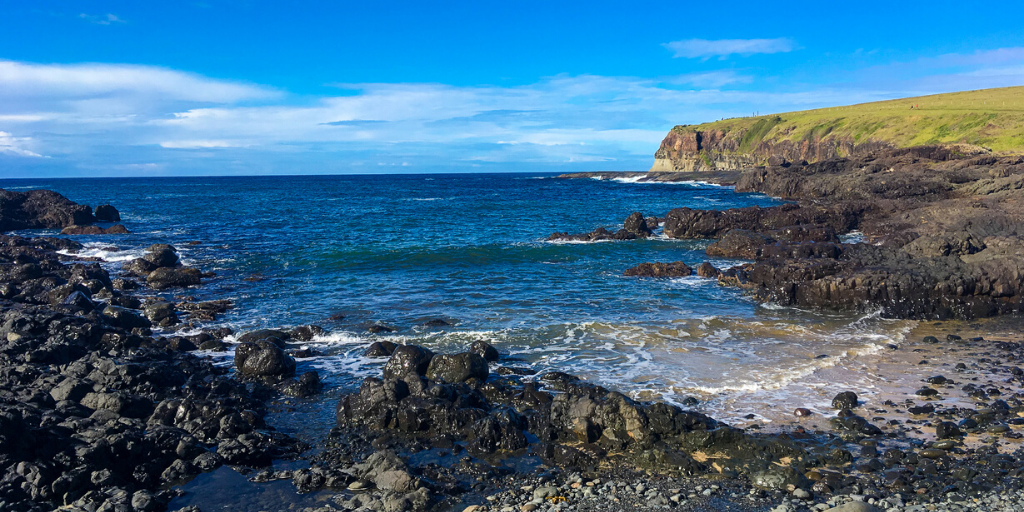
95	412
161	268
636	226
943	227
45	209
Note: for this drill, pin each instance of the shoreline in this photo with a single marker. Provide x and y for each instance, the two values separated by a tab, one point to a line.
509	491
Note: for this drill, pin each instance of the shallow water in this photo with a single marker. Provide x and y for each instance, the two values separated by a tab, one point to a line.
471	249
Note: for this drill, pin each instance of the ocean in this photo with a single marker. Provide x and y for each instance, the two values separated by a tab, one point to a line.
350	252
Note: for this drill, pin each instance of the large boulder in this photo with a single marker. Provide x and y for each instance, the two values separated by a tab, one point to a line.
173	277
107	213
637	225
457	368
263	359
408	359
161	255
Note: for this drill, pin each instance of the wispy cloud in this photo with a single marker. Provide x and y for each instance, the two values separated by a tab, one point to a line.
711	78
200	144
103	19
16	146
99	117
723	48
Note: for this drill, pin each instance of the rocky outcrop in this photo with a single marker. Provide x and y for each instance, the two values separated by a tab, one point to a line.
567	421
765	142
95	413
674	269
41	209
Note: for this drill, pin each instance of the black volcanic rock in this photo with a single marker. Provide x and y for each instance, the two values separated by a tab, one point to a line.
41	209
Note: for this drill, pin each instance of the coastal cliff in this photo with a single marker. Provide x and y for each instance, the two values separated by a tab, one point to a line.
975	121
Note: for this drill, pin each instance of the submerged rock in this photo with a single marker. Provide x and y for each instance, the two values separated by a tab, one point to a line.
674	269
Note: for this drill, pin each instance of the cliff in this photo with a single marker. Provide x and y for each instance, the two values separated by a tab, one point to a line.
985	120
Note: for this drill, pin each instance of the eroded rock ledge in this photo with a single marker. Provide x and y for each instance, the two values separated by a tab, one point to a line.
941	231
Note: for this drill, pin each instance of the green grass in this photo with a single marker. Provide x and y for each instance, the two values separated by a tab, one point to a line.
992	118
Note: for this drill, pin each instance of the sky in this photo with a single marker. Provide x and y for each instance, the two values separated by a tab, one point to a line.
161	88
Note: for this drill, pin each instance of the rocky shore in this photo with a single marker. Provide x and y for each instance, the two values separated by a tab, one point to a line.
109	403
930	233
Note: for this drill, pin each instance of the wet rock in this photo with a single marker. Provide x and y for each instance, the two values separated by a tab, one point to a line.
161	255
636	225
306	332
107	213
930	339
124	318
708	270
178	277
485	350
379	329
213	345
380	349
116	229
408	359
946	430
845	400
674	269
162	314
41	209
436	322
263	359
274	336
139	267
307	384
457	368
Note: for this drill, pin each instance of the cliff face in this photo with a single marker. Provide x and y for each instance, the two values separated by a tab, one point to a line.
689	150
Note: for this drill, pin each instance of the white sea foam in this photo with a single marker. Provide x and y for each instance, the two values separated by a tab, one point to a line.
106	252
631	179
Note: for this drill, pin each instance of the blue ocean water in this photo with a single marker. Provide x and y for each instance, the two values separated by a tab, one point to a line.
348	252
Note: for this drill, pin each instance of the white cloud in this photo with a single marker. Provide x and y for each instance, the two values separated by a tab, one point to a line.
108	116
12	145
107	19
199	144
705	48
25	82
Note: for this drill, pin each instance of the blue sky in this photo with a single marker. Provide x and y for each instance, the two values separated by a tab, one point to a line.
236	88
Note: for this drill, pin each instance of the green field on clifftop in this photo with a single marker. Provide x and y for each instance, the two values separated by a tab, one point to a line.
992	118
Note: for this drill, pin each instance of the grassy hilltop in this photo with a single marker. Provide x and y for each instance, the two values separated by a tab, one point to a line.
991	118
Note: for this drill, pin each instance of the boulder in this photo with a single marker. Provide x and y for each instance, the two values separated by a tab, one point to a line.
162	314
263	360
708	270
307	384
408	359
307	332
161	256
845	400
457	368
636	225
485	350
176	277
107	213
275	336
123	318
